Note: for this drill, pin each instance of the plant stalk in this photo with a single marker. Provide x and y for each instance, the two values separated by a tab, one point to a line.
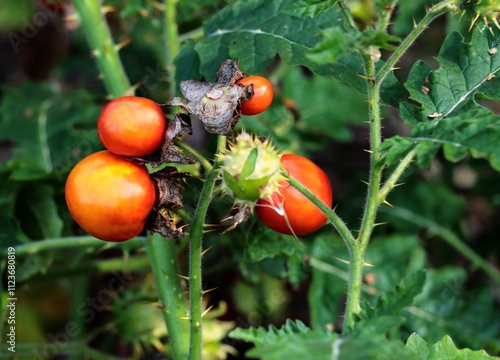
332	216
103	48
170	292
195	259
371	206
431	14
171	36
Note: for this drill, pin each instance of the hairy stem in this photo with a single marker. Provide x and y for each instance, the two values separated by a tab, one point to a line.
103	48
371	204
170	292
332	216
195	260
385	18
393	179
431	14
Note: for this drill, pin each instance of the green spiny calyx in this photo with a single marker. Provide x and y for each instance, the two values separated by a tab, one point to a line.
251	168
485	10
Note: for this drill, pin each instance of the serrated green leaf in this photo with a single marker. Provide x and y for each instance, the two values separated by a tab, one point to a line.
446	306
337	42
50	131
303	8
256	31
474	131
265	243
466	69
393	302
292	341
444	349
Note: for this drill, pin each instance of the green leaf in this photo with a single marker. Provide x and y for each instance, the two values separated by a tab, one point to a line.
265	243
50	131
466	69
292	341
303	8
313	96
444	349
408	13
10	228
445	305
255	31
38	212
393	302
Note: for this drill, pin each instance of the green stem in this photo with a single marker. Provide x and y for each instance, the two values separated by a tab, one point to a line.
102	45
432	14
393	179
448	236
368	221
195	262
171	35
71	242
195	259
194	153
332	216
347	15
162	255
94	266
385	19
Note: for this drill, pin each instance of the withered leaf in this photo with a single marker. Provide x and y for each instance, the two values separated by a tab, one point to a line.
215	104
169	188
229	73
166	225
168	153
236	216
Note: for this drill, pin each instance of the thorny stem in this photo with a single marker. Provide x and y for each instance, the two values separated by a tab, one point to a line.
103	48
385	19
162	255
431	14
393	179
376	195
332	216
368	221
195	259
161	251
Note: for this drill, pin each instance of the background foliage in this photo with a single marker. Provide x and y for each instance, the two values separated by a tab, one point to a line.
424	296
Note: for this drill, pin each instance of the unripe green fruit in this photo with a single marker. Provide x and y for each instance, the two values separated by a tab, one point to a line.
251	169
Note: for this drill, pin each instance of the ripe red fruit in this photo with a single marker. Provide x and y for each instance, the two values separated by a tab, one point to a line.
288	211
262	95
131	126
110	196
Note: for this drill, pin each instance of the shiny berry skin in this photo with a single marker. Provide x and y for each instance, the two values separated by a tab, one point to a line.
131	126
289	204
262	95
110	196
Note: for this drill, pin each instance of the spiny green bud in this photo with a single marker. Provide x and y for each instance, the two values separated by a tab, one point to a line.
485	11
251	168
